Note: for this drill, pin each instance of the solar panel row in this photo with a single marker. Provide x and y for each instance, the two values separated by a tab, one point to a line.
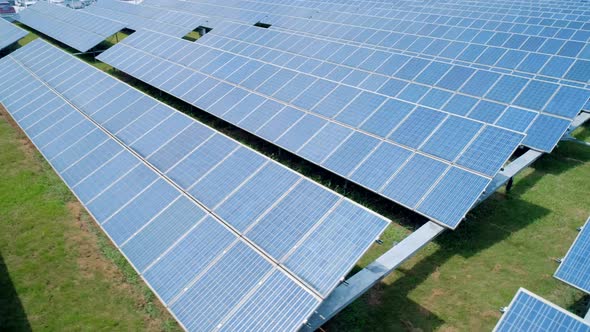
227	238
76	29
504	47
575	267
503	100
539	141
529	312
9	33
507	41
547	11
279	105
142	17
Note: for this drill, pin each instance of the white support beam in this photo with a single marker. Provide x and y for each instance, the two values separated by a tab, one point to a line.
580	120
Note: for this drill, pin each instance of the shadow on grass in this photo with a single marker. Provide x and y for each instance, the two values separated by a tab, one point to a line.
12	313
573	154
581	306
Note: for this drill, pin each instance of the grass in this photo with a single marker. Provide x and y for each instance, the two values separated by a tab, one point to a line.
456	283
192	36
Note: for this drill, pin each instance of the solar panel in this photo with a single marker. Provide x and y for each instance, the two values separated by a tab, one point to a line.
77	29
341	142
574	269
9	33
430	85
141	17
518	47
167	189
529	312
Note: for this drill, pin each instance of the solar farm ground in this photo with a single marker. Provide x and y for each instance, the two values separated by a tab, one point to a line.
61	273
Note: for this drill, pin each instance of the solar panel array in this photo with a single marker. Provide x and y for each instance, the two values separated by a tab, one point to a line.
227	238
574	269
433	162
554	49
531	313
77	29
481	95
142	17
9	33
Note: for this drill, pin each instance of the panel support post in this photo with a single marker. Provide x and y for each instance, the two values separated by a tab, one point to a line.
508	173
509	184
359	283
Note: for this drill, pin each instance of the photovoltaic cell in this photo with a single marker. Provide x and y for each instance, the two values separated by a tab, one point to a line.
77	29
414	180
455	183
449	34
344	220
529	312
574	269
9	33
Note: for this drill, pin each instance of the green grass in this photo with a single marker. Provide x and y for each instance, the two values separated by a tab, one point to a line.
192	36
456	283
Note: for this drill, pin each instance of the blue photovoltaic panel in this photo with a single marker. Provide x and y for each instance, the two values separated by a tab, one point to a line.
9	33
256	196
501	142
449	140
341	140
532	49
344	220
258	313
386	159
129	189
545	130
574	269
189	257
74	28
481	83
414	180
455	183
529	312
507	89
135	17
212	290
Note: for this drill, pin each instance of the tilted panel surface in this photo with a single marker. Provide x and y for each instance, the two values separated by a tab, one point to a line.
127	158
574	269
77	29
531	48
529	312
142	17
507	101
9	33
303	113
